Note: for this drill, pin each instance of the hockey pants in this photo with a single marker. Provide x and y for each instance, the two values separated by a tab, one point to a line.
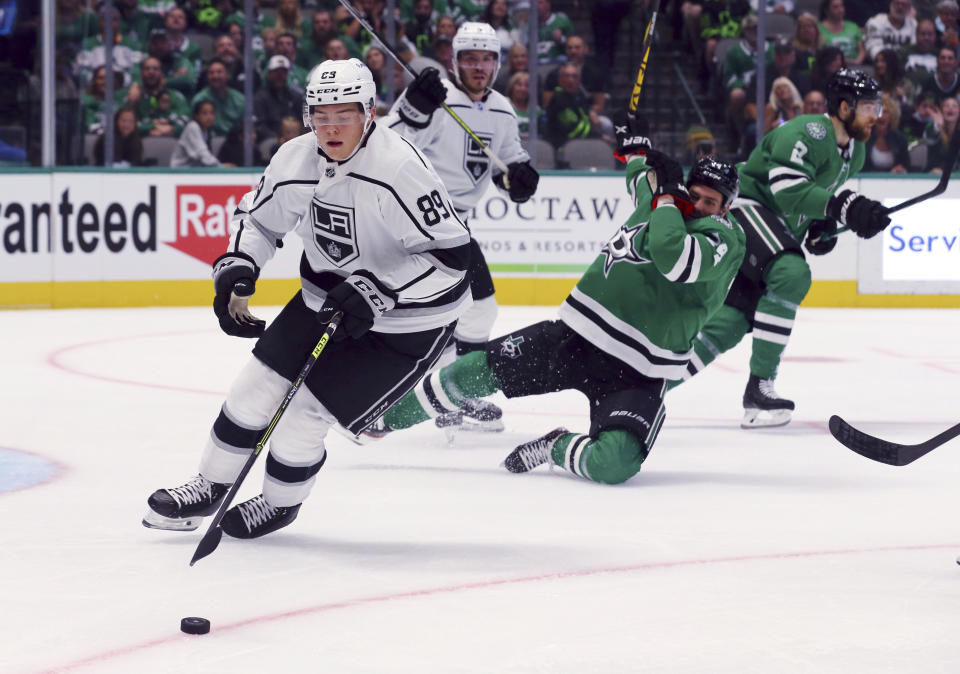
786	283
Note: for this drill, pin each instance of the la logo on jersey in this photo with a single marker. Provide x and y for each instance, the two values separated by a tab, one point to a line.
475	162
334	232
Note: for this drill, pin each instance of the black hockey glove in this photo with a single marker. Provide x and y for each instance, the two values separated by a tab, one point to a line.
864	216
235	273
523	180
631	136
667	180
361	298
821	237
423	96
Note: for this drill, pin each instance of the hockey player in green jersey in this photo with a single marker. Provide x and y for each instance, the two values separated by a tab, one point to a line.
791	188
625	329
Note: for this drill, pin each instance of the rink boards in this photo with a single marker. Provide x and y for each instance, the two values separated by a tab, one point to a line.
94	238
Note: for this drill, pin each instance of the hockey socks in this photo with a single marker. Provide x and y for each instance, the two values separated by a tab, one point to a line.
614	456
445	391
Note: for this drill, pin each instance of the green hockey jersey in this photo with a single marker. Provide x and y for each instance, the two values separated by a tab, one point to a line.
797	168
655	283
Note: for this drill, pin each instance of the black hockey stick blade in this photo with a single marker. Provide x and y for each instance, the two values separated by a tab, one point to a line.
207	544
884	451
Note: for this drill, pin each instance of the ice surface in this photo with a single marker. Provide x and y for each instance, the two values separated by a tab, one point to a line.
732	551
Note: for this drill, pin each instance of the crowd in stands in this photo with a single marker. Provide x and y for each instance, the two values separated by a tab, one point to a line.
910	48
179	69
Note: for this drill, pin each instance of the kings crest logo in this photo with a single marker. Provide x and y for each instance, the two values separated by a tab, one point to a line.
334	232
475	162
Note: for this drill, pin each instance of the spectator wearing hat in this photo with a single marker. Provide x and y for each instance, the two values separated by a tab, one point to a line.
700	143
161	111
276	100
287	46
893	29
787	64
227	101
178	71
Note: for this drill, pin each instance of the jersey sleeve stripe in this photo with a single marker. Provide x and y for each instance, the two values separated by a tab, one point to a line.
396	196
783	182
415	151
278	186
688	260
416	280
784	171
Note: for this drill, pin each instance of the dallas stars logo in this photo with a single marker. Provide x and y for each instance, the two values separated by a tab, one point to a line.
620	248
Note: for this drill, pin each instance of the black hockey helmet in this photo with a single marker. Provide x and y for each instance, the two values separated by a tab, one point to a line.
717	174
851	86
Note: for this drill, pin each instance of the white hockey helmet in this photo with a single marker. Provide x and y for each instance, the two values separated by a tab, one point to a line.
475	35
334	82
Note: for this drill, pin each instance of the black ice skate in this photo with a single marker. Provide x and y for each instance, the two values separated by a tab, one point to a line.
256	517
531	454
183	508
476	415
762	407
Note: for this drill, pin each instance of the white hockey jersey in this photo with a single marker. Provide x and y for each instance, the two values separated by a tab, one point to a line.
459	161
384	210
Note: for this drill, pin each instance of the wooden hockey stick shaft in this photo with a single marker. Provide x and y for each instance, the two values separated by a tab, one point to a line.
884	451
953	151
390	50
211	539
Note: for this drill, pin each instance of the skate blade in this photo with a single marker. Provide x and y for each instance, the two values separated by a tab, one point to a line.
753	418
475	426
153	520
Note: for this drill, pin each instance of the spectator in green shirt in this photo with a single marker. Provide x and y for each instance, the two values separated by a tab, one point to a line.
229	102
160	111
838	32
310	49
552	33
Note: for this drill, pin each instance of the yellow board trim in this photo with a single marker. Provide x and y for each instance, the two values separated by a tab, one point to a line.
273	292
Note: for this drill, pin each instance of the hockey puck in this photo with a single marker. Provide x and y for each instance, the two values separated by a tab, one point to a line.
193	625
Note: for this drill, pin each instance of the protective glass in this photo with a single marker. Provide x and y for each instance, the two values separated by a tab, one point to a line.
343	118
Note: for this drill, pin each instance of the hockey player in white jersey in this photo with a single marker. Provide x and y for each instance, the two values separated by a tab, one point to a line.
383	244
467	171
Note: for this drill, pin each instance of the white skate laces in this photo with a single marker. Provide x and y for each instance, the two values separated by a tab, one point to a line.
255	512
195	491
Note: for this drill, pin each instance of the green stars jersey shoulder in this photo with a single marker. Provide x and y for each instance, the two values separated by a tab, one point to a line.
797	168
655	283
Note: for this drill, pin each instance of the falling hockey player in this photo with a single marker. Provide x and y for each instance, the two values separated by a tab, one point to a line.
626	328
382	245
791	186
466	171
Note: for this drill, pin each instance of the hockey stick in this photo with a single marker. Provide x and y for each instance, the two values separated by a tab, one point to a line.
211	539
642	71
884	451
953	151
390	50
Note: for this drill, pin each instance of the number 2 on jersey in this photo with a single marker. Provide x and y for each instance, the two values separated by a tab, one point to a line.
799	150
433	208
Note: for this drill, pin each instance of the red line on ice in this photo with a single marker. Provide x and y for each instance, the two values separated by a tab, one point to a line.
54	359
478	585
